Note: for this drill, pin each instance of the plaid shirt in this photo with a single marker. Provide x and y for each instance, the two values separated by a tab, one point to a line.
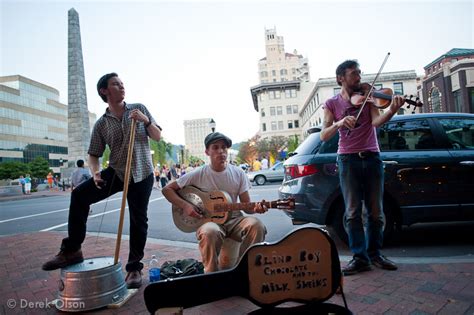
116	134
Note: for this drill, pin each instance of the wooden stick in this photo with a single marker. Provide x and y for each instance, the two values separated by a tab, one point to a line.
125	190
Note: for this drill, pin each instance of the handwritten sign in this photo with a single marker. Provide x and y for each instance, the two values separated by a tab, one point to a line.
298	268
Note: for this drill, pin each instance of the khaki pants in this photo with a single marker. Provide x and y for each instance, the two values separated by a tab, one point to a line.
222	245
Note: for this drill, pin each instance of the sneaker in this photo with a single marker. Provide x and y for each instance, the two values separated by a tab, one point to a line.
134	279
383	263
356	266
63	259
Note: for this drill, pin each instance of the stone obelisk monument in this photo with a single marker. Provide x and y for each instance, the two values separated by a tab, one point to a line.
78	114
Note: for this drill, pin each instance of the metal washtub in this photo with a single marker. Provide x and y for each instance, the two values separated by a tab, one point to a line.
92	284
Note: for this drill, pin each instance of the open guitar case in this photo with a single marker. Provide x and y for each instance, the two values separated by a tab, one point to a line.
302	267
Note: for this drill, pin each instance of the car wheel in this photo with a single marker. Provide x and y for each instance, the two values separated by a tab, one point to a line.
260	180
337	222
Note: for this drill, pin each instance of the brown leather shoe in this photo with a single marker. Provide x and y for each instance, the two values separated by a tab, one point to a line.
134	279
63	259
383	262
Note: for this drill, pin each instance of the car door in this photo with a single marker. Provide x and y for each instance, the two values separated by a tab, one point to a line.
415	169
459	137
277	172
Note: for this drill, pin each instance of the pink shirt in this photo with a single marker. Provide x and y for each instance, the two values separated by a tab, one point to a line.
363	137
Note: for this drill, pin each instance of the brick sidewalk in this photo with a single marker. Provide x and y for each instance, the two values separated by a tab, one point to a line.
413	289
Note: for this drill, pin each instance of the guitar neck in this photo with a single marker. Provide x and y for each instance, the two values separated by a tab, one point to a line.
225	207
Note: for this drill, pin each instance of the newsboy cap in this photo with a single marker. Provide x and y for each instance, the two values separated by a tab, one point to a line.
216	136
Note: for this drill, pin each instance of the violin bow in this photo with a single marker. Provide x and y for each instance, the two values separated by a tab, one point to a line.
370	91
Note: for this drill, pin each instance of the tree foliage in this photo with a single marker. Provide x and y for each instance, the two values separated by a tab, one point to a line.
293	142
13	170
39	167
275	145
248	151
162	150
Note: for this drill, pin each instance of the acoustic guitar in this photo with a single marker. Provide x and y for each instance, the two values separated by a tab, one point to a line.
215	206
303	267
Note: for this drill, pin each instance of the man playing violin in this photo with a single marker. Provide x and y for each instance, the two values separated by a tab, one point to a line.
361	172
220	175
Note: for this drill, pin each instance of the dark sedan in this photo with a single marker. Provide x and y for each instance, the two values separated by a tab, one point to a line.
429	173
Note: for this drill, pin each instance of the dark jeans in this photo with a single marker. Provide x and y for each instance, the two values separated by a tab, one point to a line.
363	179
87	193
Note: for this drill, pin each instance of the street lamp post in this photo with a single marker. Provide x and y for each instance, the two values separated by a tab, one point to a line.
212	124
62	178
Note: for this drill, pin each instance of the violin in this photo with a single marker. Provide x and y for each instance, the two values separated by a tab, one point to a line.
381	98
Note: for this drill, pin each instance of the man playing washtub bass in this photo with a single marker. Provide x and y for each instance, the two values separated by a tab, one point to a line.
113	129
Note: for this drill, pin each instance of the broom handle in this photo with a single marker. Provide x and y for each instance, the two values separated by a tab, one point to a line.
125	190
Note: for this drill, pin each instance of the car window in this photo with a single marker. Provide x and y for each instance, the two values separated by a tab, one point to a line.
310	145
460	132
331	145
406	135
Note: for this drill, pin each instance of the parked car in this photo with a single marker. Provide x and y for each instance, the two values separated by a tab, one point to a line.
272	174
429	170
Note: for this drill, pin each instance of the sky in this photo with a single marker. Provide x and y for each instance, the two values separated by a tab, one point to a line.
199	59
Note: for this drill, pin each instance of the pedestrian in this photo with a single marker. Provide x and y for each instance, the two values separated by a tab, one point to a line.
113	129
163	177
22	183
361	172
264	163
49	177
27	184
219	175
80	175
156	173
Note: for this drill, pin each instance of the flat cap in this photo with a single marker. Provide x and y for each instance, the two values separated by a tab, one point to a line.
216	136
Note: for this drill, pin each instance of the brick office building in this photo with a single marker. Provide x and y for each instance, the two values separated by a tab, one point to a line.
448	85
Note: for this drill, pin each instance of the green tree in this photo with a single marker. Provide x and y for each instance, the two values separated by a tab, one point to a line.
105	157
194	160
275	145
162	149
293	142
39	167
13	170
248	151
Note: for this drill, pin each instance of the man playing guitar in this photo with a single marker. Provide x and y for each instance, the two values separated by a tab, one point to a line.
219	175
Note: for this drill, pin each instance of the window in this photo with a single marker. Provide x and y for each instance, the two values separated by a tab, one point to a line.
264	74
279	110
435	100
297	123
283	72
273	73
290	124
336	91
264	127
261	96
280	125
460	132
272	111
457	101
262	112
288	109
295	109
274	125
293	71
406	135
398	88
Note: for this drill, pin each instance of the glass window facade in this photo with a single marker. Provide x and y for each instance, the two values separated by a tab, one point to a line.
32	121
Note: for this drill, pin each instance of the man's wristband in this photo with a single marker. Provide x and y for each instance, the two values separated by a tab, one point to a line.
148	124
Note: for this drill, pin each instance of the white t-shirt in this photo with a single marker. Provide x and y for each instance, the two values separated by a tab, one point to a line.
231	180
264	164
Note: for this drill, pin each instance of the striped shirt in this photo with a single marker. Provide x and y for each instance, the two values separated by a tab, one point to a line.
111	131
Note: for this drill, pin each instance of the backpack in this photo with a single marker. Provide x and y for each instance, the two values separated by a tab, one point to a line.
181	268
